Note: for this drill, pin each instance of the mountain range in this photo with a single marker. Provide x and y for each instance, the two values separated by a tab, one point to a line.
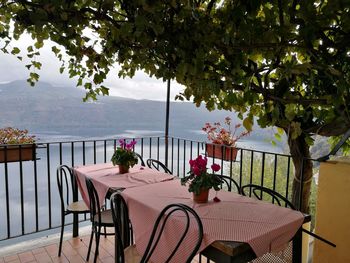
60	111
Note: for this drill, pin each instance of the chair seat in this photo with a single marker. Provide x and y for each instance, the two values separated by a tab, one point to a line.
106	218
79	207
131	255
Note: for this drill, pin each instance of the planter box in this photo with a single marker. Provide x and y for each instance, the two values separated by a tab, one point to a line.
15	153
218	151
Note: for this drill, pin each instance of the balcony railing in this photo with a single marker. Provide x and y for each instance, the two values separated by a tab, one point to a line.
29	200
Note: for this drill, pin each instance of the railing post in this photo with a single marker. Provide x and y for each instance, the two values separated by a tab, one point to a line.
167	122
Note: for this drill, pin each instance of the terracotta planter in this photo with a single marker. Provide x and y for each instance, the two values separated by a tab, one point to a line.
123	169
218	151
202	197
15	153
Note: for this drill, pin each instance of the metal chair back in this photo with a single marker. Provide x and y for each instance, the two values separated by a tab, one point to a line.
142	162
67	186
267	194
155	164
122	226
121	217
230	183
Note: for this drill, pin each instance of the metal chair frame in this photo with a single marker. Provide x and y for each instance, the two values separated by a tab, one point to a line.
140	158
96	218
121	216
258	191
67	184
229	182
152	163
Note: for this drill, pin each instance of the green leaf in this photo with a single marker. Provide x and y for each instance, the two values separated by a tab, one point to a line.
296	130
15	51
278	137
39	44
248	123
105	91
55	50
280	131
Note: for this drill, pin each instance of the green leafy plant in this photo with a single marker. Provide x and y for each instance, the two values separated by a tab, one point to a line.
11	135
124	154
199	178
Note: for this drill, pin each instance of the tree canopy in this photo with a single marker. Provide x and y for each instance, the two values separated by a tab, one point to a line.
285	62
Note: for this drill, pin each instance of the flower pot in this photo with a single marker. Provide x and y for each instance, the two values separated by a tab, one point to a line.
202	197
123	169
227	153
15	153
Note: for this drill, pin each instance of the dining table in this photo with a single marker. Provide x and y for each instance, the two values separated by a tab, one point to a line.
236	229
107	178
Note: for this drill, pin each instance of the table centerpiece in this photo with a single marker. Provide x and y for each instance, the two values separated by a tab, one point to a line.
200	181
124	156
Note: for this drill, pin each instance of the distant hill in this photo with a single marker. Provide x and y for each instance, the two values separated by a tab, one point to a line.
45	109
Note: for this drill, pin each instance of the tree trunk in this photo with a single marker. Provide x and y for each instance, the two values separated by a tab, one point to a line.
300	152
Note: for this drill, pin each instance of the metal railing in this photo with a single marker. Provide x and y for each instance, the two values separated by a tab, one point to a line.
29	199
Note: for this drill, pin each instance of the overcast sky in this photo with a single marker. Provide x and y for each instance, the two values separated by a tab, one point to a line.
139	87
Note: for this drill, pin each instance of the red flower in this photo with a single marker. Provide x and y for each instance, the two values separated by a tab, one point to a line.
215	167
196	170
216	199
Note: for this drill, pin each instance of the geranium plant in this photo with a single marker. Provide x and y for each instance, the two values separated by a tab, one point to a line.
199	178
124	154
11	135
224	135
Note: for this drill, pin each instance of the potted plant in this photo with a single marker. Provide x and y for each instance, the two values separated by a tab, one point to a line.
124	156
200	181
16	145
223	140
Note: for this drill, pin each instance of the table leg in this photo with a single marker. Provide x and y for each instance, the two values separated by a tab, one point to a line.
297	247
75	216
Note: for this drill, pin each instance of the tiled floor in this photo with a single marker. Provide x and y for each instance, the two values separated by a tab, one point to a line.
73	250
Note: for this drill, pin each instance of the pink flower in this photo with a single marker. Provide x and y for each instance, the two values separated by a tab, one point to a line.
215	167
130	145
126	146
219	135
122	143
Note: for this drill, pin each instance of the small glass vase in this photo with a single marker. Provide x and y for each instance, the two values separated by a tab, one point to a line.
123	169
202	197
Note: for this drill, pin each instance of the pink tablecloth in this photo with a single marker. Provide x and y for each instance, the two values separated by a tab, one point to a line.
264	226
106	176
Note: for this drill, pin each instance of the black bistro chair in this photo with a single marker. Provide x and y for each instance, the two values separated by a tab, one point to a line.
155	164
229	184
126	252
262	193
142	162
99	218
68	188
